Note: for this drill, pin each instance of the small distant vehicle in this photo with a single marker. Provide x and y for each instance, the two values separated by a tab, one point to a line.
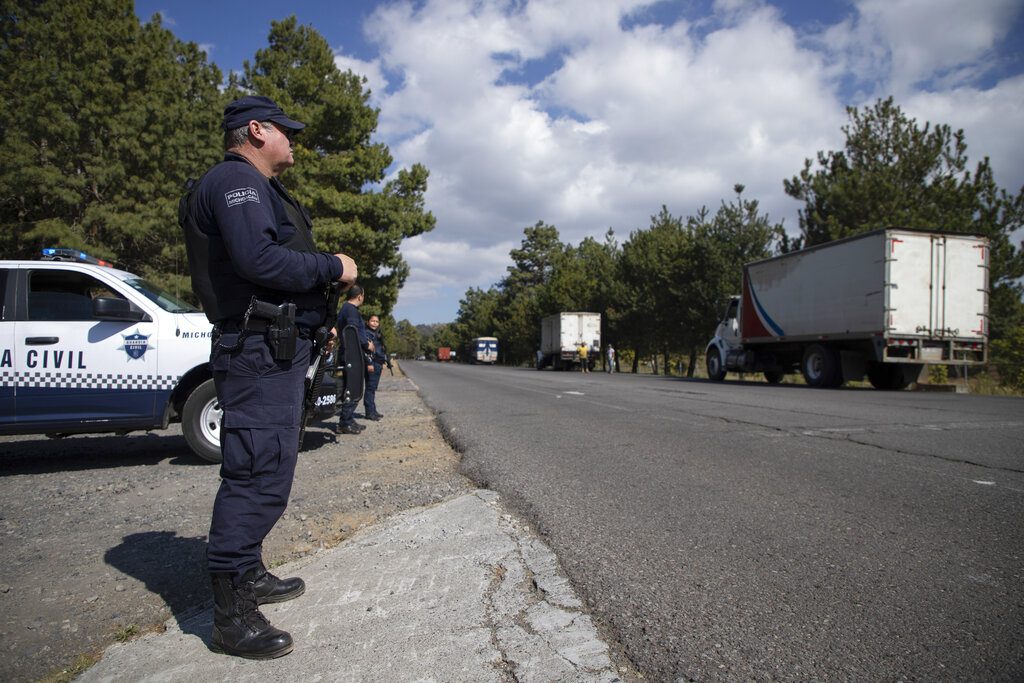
561	335
444	354
880	304
484	350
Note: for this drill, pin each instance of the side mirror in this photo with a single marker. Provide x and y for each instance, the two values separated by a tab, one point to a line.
108	308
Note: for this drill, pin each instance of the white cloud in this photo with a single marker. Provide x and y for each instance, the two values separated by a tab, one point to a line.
930	39
579	114
991	121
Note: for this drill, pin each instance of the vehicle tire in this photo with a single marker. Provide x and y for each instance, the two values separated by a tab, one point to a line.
200	422
820	367
716	368
889	376
773	376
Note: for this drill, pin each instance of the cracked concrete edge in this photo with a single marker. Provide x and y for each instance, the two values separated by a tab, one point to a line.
537	622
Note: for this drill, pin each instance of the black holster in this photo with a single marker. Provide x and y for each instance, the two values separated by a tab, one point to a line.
281	331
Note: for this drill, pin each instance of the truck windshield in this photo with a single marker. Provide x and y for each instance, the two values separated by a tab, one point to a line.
160	297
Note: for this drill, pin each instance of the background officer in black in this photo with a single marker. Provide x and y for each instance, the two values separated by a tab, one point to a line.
379	358
349	316
249	240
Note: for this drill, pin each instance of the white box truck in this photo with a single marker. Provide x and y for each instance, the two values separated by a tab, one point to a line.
879	304
561	335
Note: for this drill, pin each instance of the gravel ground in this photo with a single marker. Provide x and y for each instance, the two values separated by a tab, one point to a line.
104	537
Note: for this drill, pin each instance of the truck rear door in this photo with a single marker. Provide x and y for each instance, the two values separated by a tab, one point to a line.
936	285
965	295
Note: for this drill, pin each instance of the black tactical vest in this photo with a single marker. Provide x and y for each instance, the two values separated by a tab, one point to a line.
222	293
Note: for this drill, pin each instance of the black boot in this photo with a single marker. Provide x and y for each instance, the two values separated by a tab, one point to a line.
239	628
269	588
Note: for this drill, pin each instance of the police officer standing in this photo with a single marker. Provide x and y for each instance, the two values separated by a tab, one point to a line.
262	283
349	316
379	358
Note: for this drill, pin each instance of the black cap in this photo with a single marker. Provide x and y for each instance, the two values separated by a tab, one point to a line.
253	108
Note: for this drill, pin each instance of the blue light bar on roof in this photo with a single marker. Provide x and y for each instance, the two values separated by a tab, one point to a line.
63	254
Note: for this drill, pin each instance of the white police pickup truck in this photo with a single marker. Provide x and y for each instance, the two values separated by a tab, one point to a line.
85	347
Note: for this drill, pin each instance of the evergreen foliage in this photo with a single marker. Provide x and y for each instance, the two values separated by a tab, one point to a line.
103	120
336	162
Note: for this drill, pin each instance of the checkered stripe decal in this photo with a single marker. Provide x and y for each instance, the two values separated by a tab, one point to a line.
88	380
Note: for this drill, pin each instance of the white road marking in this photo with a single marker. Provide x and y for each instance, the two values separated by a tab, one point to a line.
984	483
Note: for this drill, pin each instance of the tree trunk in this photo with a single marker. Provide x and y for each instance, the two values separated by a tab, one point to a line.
693	363
667	363
636	361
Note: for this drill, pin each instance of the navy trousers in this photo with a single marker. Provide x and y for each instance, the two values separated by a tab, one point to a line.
259	437
370	391
347	415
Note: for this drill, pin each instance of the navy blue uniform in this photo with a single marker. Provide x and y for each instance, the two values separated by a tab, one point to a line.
259	244
349	315
379	358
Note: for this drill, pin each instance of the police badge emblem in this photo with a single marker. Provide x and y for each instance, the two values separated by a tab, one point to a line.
135	345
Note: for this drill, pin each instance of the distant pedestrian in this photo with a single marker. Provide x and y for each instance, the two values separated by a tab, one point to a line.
609	365
584	353
379	358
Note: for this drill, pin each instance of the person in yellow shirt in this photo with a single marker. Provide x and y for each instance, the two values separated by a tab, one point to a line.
584	361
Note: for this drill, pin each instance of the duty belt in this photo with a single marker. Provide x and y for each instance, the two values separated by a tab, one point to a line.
256	325
238	325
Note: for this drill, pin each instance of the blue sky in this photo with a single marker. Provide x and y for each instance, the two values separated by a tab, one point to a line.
589	115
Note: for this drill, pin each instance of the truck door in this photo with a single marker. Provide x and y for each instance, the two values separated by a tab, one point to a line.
73	368
937	285
964	298
912	272
8	384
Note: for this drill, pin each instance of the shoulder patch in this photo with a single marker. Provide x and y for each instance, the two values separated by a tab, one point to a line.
242	195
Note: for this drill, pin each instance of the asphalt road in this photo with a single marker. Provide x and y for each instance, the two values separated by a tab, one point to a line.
742	531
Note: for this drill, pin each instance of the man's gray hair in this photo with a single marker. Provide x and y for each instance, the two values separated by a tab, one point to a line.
239	136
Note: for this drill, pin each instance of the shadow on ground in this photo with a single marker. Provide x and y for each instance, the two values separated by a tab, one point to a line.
172	567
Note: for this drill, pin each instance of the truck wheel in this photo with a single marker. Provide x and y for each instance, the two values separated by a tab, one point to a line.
888	376
200	422
716	368
773	376
820	367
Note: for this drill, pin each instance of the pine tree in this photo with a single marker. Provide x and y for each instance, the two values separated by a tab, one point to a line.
336	162
103	120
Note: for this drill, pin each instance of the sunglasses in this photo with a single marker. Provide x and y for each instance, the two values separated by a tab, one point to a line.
287	132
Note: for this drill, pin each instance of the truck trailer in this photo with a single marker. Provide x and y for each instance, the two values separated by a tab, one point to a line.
561	335
881	304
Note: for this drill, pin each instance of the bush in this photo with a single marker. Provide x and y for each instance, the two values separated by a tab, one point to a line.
1008	358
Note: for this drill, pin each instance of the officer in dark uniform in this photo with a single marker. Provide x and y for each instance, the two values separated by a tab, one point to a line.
262	283
379	358
349	315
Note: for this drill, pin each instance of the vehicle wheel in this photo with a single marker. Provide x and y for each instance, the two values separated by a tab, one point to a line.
716	368
888	376
820	367
200	422
773	376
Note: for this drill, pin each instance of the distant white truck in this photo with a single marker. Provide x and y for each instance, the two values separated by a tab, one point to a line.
879	304
561	335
